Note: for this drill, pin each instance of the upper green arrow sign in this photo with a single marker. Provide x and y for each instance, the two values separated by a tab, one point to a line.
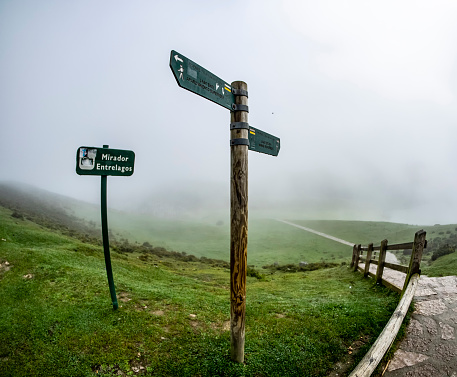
189	75
260	141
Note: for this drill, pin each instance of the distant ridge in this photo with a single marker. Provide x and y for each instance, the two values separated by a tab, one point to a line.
44	208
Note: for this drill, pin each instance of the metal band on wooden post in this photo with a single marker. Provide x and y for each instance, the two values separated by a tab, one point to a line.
368	260
382	259
416	256
238	225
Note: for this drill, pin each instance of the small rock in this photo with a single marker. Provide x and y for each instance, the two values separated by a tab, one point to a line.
403	359
447	332
193	316
430	308
136	369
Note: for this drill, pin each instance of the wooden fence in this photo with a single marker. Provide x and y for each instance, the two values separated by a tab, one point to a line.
368	364
417	247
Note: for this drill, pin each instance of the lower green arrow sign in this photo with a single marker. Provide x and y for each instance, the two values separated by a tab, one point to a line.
260	141
104	161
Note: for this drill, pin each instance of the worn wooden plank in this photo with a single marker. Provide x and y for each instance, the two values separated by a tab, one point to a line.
396	267
400	246
382	259
238	230
416	255
368	260
377	248
371	360
354	251
357	257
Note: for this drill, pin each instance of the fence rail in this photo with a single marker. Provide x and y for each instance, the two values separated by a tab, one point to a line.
371	360
377	351
416	247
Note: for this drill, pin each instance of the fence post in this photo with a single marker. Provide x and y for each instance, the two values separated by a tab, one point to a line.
381	261
368	259
354	250
416	256
357	257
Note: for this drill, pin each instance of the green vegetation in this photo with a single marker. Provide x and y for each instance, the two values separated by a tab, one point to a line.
364	232
442	250
56	318
441	240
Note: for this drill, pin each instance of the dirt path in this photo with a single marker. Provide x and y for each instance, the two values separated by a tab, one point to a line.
430	346
390	257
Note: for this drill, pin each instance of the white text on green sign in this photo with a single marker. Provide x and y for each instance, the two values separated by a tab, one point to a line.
104	161
191	76
260	141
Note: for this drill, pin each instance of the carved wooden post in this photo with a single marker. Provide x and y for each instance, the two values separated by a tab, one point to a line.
416	256
367	261
238	227
357	257
381	261
354	251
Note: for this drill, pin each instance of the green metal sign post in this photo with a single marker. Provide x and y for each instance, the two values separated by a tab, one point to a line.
191	76
104	162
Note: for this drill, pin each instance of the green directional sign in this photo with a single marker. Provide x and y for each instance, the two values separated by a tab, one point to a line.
104	161
189	75
260	141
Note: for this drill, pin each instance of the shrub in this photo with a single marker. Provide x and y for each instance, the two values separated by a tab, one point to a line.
252	272
17	215
443	250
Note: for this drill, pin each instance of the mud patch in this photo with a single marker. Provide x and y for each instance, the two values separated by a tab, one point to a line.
342	367
5	266
124	297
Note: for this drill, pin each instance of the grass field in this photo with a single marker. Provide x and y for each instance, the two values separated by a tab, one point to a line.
271	241
56	318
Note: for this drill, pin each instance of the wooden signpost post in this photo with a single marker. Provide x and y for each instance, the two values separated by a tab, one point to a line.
104	162
191	76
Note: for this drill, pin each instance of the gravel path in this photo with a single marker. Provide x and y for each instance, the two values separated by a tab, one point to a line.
390	257
429	348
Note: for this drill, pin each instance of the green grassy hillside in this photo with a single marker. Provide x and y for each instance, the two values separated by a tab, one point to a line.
365	232
56	318
270	241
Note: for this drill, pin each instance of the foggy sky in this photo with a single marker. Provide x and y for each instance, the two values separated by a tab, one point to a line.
362	94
